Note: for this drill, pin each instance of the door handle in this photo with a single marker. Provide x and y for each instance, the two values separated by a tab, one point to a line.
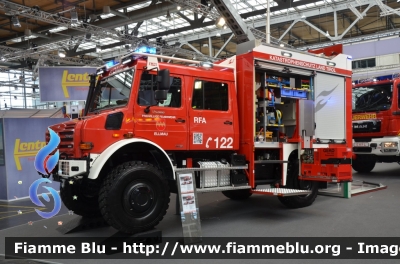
180	120
228	122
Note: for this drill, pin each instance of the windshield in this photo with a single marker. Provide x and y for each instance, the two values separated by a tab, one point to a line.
372	98
113	91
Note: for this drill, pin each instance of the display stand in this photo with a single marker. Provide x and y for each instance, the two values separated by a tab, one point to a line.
189	207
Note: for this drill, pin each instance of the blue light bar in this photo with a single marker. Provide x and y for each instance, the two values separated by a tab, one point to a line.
144	49
379	78
110	63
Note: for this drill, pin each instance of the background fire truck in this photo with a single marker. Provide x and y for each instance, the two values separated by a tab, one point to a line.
283	114
376	121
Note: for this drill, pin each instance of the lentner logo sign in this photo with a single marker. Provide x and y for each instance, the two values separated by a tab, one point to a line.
64	83
26	149
78	80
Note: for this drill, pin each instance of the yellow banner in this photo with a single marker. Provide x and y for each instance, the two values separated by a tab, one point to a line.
364	116
26	149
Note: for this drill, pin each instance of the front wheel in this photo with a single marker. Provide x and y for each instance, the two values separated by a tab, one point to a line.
363	164
75	198
134	197
293	182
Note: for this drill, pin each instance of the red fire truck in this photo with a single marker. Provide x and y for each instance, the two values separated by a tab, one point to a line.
376	126
283	114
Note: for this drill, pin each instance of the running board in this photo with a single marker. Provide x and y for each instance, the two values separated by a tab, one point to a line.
280	192
220	189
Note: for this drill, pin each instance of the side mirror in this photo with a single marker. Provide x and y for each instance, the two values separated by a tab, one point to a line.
160	95
163	80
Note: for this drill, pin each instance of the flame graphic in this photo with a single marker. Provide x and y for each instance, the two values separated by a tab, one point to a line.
324	94
44	163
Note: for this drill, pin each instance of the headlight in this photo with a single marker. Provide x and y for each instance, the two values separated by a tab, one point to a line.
389	144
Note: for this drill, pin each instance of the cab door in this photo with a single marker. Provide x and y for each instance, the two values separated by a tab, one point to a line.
211	117
164	123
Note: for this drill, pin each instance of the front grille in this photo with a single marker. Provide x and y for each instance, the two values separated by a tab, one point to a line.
363	139
66	133
362	149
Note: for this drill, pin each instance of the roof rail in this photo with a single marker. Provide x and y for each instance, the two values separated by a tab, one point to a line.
175	59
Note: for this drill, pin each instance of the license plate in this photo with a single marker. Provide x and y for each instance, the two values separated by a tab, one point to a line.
361	144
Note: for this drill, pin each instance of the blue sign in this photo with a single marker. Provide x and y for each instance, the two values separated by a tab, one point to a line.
44	165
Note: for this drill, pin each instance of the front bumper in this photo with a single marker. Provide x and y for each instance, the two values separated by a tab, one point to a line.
72	168
388	146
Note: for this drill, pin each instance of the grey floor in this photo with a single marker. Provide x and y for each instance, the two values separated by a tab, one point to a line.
374	214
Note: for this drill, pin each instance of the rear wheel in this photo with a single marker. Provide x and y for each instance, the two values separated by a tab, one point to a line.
293	182
134	197
238	194
363	164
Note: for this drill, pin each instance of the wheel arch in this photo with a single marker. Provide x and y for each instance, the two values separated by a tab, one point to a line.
128	150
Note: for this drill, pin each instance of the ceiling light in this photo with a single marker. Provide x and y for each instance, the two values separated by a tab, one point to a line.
327	34
15	21
88	35
106	10
61	53
303	16
282	45
2	58
74	17
220	22
218	34
98	48
179	7
28	32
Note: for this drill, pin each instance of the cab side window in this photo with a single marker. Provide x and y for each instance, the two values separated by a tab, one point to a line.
208	95
148	85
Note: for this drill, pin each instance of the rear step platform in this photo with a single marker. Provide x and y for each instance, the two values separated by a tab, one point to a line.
280	192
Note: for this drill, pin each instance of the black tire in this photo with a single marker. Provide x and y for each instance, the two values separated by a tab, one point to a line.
238	194
363	164
293	182
134	197
84	205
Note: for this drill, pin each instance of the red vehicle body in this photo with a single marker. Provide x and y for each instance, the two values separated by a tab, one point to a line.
144	119
376	121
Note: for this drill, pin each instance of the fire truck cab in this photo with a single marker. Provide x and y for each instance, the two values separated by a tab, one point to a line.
376	121
283	114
